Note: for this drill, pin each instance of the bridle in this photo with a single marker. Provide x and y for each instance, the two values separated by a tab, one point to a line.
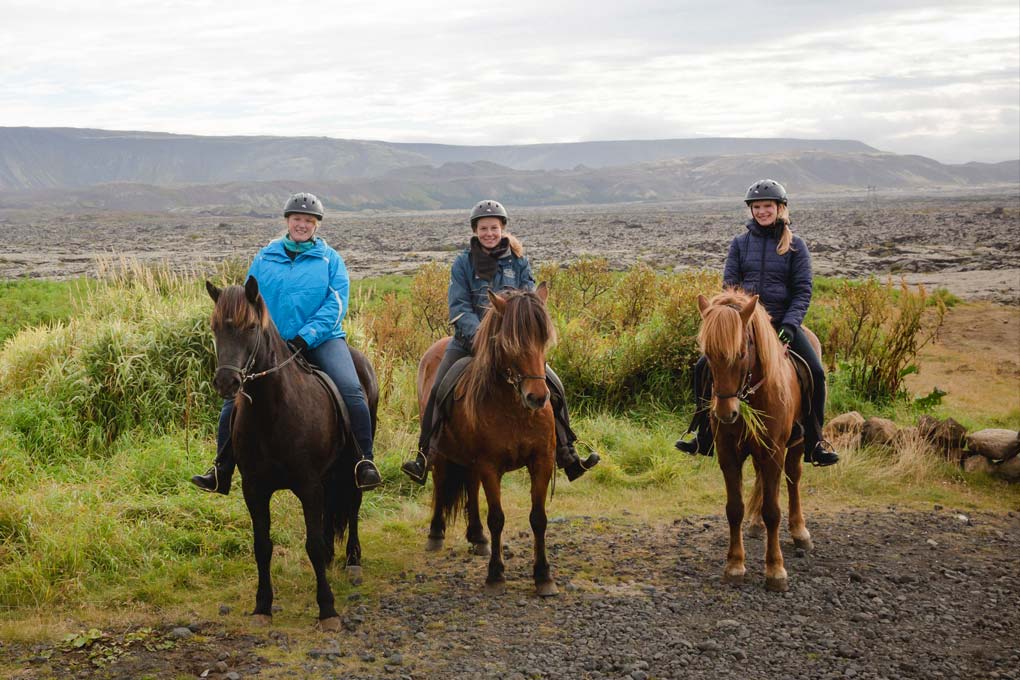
244	373
746	389
517	379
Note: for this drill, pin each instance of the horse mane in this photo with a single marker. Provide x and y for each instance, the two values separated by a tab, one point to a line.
520	329
721	335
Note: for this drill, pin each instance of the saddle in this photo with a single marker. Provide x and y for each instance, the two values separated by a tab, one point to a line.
334	394
445	395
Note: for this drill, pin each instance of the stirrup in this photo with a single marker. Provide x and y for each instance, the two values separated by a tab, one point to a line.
829	450
216	480
366	487
591	451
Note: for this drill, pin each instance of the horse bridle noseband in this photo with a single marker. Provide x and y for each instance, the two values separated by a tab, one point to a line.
244	373
517	379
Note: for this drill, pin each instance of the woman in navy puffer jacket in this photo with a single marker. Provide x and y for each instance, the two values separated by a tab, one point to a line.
768	260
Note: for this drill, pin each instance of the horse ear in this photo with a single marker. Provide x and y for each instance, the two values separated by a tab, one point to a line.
542	292
251	289
748	309
498	303
213	291
702	304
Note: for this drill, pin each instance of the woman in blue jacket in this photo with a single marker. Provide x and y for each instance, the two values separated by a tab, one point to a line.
494	261
305	285
768	260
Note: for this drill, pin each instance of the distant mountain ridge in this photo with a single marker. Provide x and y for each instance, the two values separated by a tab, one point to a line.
457	185
47	158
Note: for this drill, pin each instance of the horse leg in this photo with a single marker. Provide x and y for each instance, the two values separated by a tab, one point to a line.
541	473
257	500
353	563
475	533
769	470
331	515
312	506
495	582
801	536
755	525
437	528
732	474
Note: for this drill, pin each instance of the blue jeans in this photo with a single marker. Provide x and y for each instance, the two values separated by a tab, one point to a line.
333	357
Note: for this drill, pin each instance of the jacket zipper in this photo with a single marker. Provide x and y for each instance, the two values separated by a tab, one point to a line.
761	271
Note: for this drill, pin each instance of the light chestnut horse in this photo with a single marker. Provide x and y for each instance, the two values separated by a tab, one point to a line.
500	421
750	364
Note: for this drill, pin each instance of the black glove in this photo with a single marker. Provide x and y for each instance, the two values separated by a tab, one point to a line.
297	344
787	333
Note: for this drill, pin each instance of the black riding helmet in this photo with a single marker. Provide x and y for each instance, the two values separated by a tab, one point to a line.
765	190
304	203
488	208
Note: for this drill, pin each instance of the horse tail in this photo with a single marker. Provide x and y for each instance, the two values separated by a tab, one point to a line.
450	482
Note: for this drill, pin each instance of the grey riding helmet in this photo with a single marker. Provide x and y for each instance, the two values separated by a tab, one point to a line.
487	208
766	190
304	203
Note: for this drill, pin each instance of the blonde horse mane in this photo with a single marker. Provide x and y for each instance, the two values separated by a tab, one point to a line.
722	336
522	327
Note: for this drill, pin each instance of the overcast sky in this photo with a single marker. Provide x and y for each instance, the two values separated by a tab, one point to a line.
941	79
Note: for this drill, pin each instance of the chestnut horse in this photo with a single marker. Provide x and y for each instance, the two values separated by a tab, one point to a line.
501	420
749	364
286	434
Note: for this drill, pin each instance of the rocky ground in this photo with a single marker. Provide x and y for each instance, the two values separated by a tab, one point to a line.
887	593
967	245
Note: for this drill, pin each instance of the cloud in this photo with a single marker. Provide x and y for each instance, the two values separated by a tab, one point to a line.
899	74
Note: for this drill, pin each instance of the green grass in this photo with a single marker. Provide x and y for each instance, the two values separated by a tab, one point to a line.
107	412
30	302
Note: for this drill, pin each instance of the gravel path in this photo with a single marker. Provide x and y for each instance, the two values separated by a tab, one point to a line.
885	594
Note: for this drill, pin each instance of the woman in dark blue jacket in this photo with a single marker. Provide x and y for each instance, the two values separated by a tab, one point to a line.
305	285
768	260
494	261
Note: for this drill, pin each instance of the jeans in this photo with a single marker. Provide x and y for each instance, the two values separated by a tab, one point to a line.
333	357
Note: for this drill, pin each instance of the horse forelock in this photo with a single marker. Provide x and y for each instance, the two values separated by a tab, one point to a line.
722	335
233	307
523	328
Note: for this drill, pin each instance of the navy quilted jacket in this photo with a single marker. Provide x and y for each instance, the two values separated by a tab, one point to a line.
468	296
782	282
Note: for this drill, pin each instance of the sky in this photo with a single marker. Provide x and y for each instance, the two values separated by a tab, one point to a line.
939	79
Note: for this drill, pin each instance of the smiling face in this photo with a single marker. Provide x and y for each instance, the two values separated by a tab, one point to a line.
764	212
301	227
489	231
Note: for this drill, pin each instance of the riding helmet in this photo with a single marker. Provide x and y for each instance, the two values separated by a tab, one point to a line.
304	203
766	190
487	208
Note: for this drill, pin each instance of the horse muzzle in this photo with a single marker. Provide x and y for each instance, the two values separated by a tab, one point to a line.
535	402
226	383
727	413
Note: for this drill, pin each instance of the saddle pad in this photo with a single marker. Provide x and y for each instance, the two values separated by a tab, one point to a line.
445	389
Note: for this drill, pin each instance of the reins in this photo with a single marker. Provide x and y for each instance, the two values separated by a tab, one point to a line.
244	373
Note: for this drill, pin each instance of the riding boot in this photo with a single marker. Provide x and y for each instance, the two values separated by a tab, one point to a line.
817	450
217	478
418	469
701	443
366	474
566	454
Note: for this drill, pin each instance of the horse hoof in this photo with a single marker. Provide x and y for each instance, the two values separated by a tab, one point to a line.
547	589
777	585
755	530
803	543
261	619
496	588
330	625
433	544
353	575
480	549
733	579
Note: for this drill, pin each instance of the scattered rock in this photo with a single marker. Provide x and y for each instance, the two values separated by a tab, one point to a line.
850	422
224	610
995	444
1010	470
181	633
977	463
878	431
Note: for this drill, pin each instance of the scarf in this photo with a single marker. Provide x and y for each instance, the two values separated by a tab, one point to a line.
485	262
296	247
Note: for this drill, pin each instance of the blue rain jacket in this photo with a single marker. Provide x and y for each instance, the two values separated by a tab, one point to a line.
782	282
306	296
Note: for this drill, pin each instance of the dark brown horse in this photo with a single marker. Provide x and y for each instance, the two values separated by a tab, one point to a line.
286	434
500	421
749	364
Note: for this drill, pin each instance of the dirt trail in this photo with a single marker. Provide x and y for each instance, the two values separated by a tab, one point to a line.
885	594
